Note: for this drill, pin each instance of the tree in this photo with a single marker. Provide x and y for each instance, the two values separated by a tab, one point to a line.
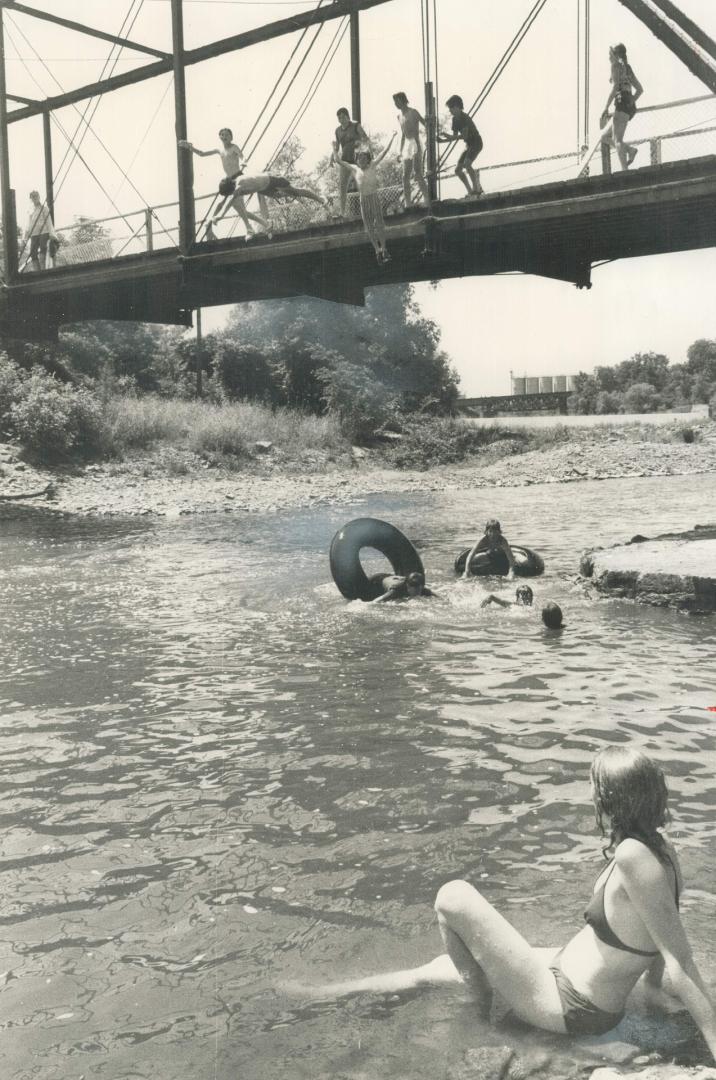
389	337
640	398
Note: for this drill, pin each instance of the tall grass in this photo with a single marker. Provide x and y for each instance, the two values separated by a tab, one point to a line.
230	429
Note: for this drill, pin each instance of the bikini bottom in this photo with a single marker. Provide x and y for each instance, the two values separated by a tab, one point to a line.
581	1017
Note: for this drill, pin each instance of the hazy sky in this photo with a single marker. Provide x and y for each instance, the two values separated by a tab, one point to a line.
490	325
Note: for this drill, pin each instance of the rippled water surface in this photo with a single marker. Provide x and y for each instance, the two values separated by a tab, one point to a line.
217	775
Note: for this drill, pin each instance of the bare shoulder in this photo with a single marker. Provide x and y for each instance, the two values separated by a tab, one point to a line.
638	862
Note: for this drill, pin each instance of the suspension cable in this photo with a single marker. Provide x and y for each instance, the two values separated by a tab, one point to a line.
66	136
96	136
318	78
90	102
500	67
274	89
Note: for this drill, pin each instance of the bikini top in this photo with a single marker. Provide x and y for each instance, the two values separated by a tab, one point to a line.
596	917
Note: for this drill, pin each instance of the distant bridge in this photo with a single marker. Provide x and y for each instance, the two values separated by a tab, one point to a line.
558	230
516	404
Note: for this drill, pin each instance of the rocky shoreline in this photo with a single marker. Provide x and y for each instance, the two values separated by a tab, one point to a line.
181	483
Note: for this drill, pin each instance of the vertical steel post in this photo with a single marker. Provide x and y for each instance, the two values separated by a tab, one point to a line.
431	140
199	354
355	67
6	195
606	158
49	180
148	229
187	221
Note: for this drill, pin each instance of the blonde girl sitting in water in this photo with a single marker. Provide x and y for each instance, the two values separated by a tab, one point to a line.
366	177
632	936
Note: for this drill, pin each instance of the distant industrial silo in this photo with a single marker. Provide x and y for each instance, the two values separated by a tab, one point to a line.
518	385
545	384
559	383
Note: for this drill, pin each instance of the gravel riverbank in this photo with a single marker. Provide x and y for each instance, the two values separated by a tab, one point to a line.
181	483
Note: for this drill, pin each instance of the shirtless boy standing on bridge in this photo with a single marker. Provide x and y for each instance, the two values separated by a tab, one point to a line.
411	150
233	161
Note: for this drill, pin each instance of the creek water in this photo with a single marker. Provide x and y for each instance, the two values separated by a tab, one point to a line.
218	776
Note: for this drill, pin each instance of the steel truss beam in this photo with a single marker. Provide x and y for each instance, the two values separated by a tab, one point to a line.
21	9
674	41
281	27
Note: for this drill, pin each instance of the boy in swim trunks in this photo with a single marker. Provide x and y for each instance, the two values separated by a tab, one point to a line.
265	186
464	128
349	135
233	162
411	150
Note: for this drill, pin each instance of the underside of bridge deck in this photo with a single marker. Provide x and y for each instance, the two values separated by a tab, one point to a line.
558	230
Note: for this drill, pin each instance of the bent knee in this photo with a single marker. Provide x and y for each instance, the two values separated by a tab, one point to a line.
454	897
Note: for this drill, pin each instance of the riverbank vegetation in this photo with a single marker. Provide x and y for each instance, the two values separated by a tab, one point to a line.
648	382
297	382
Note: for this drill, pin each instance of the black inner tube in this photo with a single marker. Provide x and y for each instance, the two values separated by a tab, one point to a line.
528	563
344	556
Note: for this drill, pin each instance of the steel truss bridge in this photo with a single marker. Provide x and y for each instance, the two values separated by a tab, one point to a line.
560	229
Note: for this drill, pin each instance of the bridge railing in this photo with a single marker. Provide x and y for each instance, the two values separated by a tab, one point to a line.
690	132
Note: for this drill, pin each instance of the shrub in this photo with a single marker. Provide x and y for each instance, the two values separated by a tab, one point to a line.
429	441
687	433
11	385
52	419
640	398
362	403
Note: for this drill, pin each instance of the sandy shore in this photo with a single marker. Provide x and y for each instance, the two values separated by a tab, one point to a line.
146	484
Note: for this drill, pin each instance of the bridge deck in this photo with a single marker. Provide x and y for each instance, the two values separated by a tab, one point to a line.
557	230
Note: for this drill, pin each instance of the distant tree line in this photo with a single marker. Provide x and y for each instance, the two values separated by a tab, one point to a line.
647	382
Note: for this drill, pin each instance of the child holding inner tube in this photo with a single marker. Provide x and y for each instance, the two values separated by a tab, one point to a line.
398	587
481	554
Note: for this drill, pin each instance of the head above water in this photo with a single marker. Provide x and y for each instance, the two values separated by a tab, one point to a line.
415	583
492	525
524	595
226	135
552	616
400	99
455	103
630	797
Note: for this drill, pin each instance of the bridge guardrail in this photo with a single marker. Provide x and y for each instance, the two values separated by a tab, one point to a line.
148	231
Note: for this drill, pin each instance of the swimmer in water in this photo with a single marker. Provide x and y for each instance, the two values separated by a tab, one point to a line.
481	553
397	587
552	616
633	934
523	598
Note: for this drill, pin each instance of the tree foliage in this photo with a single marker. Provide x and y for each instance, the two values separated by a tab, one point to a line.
647	382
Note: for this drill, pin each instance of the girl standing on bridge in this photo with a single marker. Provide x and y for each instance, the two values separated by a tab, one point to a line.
371	208
625	90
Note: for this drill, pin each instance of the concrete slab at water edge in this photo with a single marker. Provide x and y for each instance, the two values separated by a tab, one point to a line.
675	570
